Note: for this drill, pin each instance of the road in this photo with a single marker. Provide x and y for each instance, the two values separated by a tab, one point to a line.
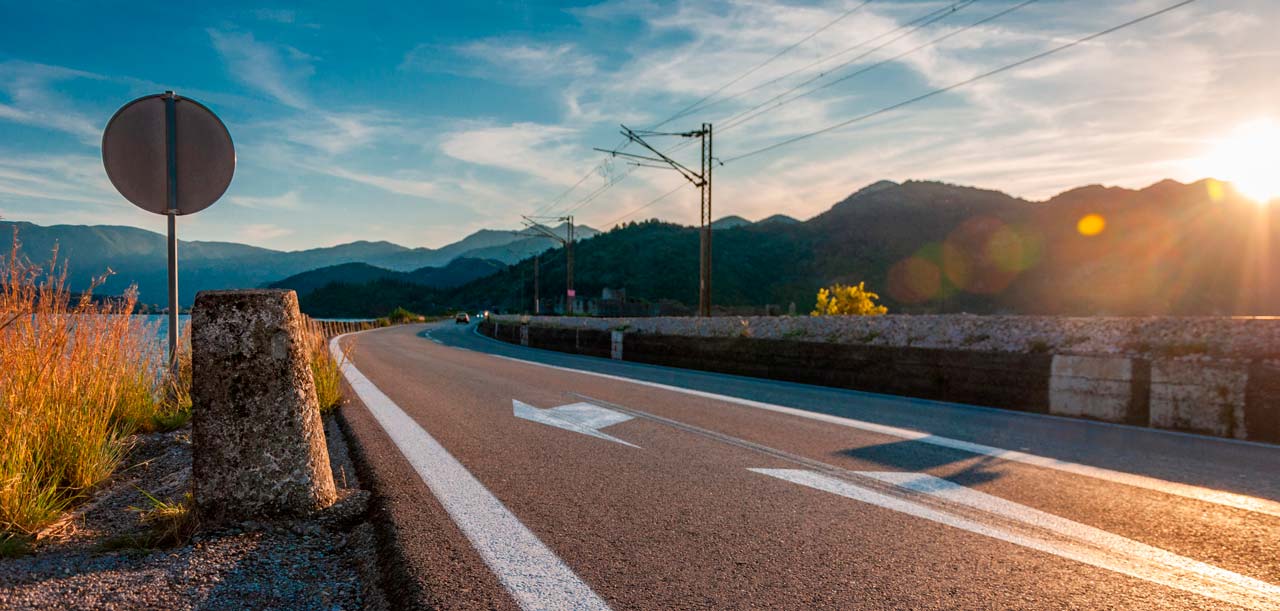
515	478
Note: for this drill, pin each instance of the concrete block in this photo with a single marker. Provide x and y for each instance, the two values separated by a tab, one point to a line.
1199	396
1262	402
258	442
1092	386
615	345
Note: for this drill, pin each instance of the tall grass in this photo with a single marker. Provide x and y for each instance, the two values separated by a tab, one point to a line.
325	370
76	377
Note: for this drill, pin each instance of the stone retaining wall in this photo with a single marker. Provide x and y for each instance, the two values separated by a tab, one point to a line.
1217	376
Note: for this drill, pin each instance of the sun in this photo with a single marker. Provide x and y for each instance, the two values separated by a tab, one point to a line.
1247	157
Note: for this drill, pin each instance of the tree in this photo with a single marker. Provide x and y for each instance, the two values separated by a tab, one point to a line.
841	300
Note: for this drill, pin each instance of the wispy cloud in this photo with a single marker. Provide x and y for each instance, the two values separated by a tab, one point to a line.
545	152
289	200
402	185
67	178
503	59
280	71
33	99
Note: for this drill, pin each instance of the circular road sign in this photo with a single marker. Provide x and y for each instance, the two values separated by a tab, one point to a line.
135	152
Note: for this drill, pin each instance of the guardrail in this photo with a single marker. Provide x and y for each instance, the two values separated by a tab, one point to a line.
332	328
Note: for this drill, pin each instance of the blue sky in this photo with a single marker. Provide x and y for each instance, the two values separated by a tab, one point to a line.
421	122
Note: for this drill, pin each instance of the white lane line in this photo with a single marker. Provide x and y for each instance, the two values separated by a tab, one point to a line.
1208	495
1080	542
583	418
534	576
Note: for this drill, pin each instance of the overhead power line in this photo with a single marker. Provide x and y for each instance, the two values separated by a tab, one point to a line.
931	17
963	83
683	112
694	106
758	111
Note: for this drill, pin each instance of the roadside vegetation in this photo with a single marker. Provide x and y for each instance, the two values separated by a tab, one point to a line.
77	377
848	300
325	370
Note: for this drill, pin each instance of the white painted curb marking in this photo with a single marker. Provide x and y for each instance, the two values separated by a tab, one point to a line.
533	574
1079	542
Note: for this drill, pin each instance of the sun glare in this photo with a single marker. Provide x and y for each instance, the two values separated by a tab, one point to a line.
1246	158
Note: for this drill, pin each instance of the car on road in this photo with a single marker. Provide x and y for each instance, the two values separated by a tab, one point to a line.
462	318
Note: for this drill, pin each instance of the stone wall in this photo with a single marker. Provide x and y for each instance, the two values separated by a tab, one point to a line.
1217	376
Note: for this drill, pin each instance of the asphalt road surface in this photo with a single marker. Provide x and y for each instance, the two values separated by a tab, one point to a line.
516	478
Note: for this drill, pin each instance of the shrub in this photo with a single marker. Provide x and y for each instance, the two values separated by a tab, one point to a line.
401	316
76	377
852	300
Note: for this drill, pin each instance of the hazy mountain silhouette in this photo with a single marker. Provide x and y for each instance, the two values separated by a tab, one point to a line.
137	256
458	271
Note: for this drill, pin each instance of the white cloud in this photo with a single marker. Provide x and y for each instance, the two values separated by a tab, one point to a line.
33	100
502	59
545	152
67	178
278	71
335	133
410	186
289	200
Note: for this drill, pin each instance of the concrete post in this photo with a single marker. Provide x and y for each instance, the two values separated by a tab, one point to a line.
258	443
615	345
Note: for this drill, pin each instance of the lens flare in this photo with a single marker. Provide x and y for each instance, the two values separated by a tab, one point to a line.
1245	157
1091	225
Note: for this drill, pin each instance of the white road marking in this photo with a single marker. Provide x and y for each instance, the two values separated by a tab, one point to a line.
536	578
582	418
1047	533
1199	493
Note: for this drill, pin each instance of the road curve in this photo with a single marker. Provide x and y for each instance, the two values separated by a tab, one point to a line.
514	478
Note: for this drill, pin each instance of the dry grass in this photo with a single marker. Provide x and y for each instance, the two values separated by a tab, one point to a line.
325	370
76	377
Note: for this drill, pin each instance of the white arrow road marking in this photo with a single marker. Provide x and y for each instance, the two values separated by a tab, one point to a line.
584	418
534	576
951	504
1199	493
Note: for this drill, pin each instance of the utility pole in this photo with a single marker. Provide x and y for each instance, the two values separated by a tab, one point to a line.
538	228
537	301
704	284
701	179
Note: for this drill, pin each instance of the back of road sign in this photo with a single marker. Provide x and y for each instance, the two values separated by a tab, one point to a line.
134	154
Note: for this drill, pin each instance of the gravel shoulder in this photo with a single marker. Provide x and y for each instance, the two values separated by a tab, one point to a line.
325	561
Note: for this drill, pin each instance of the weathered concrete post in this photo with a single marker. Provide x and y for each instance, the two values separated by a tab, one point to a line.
258	443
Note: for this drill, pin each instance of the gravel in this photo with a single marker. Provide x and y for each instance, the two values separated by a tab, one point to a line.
326	561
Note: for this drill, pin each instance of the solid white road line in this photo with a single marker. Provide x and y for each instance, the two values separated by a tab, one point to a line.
1219	497
583	418
536	578
1074	541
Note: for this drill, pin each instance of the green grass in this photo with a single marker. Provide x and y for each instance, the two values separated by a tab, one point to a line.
13	545
169	524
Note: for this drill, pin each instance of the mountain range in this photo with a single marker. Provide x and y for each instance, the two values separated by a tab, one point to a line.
926	247
135	256
1169	248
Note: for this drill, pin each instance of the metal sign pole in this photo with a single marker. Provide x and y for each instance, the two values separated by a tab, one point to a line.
171	161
